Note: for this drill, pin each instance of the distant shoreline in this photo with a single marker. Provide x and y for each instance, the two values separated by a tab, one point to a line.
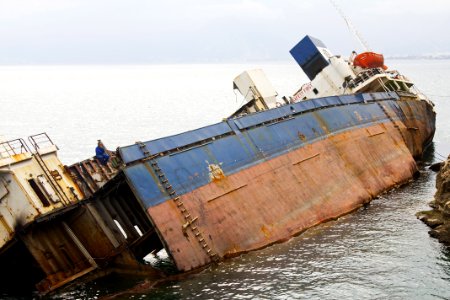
417	57
3	64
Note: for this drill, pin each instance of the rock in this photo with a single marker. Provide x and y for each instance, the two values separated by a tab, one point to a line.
439	218
436	167
434	222
432	218
442	233
442	195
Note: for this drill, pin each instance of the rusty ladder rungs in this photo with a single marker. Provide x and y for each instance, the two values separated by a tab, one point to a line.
171	191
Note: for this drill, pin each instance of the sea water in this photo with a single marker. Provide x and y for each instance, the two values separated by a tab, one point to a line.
382	251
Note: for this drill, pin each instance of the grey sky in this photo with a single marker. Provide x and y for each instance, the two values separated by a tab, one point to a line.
172	31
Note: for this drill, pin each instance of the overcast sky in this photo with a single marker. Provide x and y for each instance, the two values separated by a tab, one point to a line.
173	31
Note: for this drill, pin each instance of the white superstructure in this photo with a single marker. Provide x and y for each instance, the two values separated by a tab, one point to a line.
329	74
259	93
32	183
341	77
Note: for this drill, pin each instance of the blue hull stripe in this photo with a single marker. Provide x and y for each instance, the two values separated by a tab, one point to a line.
235	149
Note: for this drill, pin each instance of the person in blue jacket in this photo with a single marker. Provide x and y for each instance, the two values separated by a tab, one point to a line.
100	153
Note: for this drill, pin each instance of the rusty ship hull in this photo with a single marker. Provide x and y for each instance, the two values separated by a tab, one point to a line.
252	181
273	169
214	192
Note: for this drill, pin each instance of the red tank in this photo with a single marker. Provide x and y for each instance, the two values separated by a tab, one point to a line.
369	60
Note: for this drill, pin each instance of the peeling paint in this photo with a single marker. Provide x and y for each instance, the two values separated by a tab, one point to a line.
215	172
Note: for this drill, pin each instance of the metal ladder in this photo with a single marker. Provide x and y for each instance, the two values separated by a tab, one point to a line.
47	173
180	205
393	122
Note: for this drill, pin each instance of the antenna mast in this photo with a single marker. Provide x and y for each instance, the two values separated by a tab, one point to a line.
351	27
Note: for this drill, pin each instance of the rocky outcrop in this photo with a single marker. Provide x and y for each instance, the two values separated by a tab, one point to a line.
439	218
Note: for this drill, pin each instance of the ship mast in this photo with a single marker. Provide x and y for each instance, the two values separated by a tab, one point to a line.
351	27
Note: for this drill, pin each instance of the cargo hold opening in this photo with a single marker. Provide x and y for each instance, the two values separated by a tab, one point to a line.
107	233
20	271
131	224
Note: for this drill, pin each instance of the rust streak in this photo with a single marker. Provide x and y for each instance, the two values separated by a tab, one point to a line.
227	192
305	159
375	134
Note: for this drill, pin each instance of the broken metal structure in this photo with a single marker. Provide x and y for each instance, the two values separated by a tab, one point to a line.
269	172
49	218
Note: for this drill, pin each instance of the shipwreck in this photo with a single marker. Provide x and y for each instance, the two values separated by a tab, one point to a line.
274	168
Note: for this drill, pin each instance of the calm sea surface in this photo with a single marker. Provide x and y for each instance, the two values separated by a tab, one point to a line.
378	253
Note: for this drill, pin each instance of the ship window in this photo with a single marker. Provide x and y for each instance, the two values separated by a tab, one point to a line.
315	91
39	192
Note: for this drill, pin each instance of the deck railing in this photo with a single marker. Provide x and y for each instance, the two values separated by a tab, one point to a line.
13	147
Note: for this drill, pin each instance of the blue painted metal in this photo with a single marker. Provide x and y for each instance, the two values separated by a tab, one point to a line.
133	153
307	105
309	57
143	182
239	143
189	170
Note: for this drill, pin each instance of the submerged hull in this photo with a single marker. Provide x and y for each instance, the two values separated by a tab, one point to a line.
253	181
